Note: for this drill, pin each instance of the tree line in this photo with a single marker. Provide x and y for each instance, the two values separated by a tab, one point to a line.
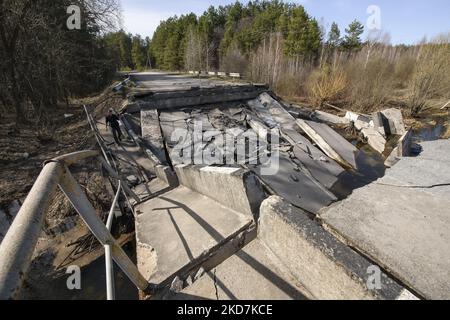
280	44
224	36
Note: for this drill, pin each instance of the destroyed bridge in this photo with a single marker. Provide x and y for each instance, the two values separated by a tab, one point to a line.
237	194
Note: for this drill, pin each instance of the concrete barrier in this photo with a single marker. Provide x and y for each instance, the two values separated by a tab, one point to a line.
235	75
235	188
211	73
326	267
221	74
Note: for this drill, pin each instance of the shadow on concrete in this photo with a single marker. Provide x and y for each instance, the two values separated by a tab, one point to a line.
248	259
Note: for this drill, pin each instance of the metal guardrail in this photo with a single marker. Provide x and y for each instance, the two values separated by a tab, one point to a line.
110	291
19	243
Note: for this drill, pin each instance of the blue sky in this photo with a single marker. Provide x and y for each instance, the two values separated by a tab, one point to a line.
406	21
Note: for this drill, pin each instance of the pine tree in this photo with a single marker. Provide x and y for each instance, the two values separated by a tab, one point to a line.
334	36
137	53
304	36
352	40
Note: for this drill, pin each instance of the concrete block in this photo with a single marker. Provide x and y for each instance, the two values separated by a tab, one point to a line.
166	174
377	123
222	74
234	188
351	116
403	149
374	139
328	117
325	267
234	75
394	124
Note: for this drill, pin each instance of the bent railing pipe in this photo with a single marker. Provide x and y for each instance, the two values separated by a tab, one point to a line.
18	245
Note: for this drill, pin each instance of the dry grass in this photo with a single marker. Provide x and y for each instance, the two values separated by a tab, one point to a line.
365	81
326	85
370	86
431	78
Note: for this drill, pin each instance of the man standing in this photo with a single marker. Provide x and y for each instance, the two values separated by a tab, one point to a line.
113	121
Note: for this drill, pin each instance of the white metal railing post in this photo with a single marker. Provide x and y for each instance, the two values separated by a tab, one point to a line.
84	208
110	288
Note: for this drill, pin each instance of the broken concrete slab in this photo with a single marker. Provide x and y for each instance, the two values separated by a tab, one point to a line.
332	143
182	228
150	189
326	268
295	186
359	125
438	150
320	166
195	98
402	226
151	134
254	272
430	175
402	229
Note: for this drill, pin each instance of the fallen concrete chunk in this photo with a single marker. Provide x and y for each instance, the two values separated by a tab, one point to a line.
332	143
324	266
377	123
359	125
353	116
394	124
374	139
329	118
184	228
403	149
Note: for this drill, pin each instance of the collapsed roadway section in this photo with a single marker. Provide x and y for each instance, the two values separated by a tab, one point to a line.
222	217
